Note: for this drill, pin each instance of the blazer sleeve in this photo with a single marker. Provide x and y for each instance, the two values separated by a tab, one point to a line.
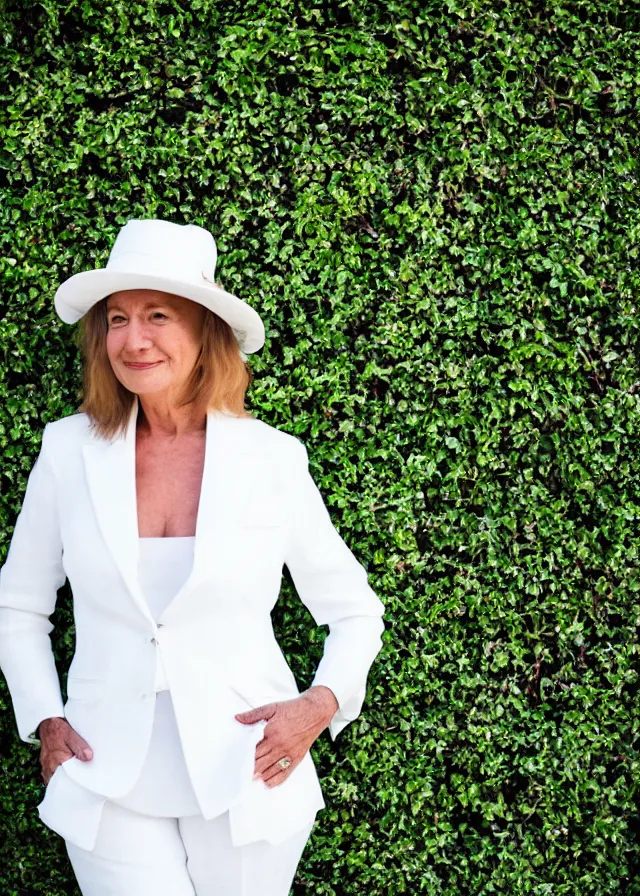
333	585
29	581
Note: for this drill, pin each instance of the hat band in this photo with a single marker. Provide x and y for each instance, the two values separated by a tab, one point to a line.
187	269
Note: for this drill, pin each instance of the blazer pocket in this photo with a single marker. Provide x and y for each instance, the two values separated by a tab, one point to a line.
253	701
85	690
259	694
57	769
250	702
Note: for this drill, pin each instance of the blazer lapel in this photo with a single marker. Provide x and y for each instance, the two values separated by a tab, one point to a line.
229	477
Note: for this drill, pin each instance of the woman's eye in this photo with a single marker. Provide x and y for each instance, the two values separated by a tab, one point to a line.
118	317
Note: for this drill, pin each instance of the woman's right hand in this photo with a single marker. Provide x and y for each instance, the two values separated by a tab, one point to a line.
59	742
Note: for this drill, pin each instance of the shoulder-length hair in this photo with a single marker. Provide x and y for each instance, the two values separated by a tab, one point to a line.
219	379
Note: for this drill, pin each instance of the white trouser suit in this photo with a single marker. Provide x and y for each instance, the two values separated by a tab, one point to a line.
154	840
210	633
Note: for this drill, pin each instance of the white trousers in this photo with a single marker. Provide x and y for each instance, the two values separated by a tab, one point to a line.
141	855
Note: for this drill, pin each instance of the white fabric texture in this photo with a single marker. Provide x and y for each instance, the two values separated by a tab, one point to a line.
136	855
259	511
154	840
164	787
164	565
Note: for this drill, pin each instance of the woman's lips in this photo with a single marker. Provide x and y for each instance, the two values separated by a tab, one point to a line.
142	366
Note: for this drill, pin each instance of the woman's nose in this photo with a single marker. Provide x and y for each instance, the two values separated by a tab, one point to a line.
137	334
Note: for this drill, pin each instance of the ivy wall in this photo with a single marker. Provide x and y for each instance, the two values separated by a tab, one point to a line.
436	209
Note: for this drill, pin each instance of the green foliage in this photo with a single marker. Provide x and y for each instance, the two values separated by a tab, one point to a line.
436	209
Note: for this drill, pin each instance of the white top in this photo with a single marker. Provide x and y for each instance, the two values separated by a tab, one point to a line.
164	566
163	788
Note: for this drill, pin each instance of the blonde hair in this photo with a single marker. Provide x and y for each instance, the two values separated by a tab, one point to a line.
219	379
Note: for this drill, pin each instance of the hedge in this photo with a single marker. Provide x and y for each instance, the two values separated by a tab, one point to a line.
436	209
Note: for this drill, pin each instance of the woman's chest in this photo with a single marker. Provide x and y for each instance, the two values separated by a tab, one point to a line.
168	487
239	498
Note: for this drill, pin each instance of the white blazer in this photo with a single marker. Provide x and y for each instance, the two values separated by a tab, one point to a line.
259	509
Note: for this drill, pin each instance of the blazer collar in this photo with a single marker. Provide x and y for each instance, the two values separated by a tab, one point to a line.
228	478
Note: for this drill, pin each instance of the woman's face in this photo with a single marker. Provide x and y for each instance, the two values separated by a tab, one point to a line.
153	340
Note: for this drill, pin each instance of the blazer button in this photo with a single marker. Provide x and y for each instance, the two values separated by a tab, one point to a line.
154	641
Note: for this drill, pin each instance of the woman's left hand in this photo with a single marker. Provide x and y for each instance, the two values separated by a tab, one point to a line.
292	726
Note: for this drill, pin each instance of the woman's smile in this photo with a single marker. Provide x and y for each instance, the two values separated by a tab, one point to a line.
141	366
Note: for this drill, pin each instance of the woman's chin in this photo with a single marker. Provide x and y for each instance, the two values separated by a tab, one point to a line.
142	385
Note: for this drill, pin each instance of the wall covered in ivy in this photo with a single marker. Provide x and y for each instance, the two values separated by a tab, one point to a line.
435	207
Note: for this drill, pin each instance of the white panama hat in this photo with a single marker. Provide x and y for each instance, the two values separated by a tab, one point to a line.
175	258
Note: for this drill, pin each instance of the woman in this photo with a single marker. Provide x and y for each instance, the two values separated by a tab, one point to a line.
180	762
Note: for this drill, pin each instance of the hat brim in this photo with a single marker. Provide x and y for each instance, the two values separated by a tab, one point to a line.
80	292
